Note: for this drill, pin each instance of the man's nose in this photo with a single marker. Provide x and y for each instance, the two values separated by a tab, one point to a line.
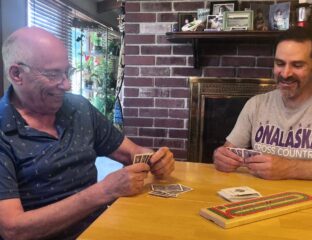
65	84
287	71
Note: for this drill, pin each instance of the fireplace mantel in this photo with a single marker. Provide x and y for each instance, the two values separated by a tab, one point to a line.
196	38
182	37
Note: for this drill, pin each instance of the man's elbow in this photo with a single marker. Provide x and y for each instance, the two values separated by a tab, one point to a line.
10	231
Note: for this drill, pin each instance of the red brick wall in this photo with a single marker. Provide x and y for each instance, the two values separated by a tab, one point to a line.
156	91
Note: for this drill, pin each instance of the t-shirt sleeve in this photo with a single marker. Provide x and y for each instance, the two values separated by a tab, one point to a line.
240	135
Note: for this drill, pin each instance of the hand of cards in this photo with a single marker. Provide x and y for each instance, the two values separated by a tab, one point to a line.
236	194
243	152
142	158
168	190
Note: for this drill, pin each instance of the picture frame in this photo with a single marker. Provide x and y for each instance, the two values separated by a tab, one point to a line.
261	13
202	14
279	16
185	18
238	20
217	8
214	23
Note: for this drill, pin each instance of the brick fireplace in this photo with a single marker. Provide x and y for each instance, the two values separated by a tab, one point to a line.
156	92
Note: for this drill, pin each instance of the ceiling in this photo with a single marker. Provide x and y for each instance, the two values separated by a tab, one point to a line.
109	11
104	11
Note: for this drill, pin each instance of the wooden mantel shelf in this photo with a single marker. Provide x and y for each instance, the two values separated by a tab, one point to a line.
222	36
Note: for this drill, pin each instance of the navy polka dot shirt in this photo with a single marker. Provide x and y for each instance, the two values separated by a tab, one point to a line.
41	169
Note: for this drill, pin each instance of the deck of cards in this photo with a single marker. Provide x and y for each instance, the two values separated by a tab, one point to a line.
243	152
142	158
168	190
236	194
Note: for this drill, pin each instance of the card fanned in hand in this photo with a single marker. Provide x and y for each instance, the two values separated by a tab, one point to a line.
256	209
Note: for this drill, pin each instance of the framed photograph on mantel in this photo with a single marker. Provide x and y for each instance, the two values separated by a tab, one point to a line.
238	20
217	8
279	16
185	18
261	13
214	23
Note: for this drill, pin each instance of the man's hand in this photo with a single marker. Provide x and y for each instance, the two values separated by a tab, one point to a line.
127	181
162	162
225	160
270	167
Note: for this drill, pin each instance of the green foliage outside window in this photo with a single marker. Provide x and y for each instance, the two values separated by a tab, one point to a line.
96	58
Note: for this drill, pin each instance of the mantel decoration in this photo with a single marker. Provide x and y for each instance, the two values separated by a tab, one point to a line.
252	15
238	20
217	8
279	16
184	19
214	23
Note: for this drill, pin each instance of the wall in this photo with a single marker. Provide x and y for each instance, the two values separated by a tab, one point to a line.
13	16
156	90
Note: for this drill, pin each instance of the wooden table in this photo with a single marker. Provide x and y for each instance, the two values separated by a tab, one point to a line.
154	218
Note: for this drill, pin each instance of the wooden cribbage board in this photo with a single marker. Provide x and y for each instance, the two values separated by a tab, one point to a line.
251	210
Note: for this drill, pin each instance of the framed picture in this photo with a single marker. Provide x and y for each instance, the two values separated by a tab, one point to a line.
214	23
279	16
238	20
185	18
217	8
202	14
261	13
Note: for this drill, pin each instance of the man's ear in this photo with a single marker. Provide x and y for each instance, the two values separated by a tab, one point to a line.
15	74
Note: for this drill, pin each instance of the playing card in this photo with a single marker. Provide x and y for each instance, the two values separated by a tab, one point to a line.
167	187
137	158
142	158
249	153
168	190
162	194
235	150
244	153
148	156
186	189
238	193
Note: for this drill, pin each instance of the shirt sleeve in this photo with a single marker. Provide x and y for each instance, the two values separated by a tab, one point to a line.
107	137
240	135
8	182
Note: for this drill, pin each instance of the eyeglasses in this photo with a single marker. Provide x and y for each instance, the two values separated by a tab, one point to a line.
53	75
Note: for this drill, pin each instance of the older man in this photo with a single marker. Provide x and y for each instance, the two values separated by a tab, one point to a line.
49	140
278	123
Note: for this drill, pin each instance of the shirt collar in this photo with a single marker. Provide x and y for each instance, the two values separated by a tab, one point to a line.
8	114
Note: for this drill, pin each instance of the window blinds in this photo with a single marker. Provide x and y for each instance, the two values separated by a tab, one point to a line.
54	16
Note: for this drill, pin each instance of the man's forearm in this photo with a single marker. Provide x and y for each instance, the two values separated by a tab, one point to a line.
126	151
46	221
300	169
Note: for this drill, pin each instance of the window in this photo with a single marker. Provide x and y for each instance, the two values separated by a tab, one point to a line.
92	48
54	16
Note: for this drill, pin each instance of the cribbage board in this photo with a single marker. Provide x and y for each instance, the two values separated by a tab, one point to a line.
251	210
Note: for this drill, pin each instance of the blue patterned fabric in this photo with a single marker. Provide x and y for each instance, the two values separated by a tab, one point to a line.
41	169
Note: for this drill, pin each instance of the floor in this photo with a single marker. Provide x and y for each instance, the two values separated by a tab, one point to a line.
105	166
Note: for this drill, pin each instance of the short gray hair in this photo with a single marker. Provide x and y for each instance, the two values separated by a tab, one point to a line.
14	51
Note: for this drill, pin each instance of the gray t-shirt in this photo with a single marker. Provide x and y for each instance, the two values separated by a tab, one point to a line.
266	125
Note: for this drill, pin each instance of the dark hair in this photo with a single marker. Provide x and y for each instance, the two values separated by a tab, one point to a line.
297	34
